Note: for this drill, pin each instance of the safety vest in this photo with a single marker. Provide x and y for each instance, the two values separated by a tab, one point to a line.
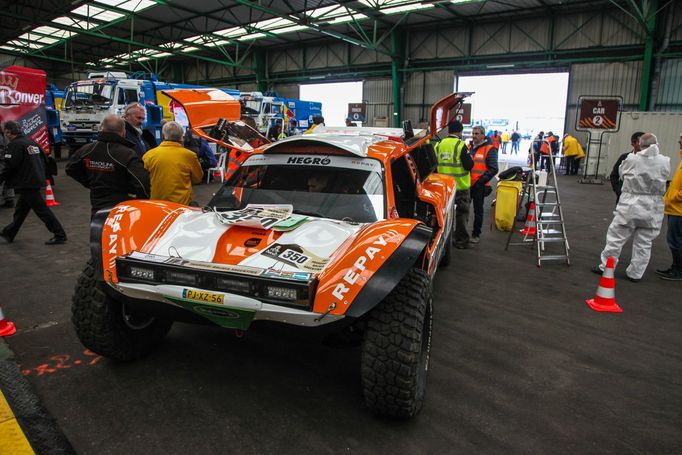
551	144
449	152
544	148
480	155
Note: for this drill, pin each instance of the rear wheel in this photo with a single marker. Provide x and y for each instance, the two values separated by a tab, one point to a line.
109	327
396	347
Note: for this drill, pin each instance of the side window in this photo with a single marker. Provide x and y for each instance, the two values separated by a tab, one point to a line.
266	108
404	188
131	95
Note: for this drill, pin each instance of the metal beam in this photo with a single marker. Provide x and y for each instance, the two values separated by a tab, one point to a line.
100	35
302	21
650	26
398	50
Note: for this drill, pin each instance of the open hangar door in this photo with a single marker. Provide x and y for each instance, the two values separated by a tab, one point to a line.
524	102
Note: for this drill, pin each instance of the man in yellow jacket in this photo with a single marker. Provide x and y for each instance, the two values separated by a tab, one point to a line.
573	152
673	208
172	168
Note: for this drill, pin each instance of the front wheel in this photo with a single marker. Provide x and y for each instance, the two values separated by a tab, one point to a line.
396	347
108	327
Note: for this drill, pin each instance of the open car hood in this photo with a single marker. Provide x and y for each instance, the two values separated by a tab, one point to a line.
214	115
442	112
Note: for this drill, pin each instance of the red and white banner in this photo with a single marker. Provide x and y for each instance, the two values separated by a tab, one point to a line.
22	99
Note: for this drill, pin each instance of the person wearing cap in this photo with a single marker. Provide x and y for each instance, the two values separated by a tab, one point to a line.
454	160
23	168
673	208
639	213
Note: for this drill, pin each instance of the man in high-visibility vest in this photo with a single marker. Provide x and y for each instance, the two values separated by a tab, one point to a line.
454	160
485	168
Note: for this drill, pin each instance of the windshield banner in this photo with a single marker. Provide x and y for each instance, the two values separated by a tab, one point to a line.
262	216
22	99
347	162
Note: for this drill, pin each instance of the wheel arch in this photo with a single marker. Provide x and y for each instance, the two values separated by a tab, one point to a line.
408	254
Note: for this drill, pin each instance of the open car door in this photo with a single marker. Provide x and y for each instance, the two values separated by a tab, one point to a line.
442	112
214	115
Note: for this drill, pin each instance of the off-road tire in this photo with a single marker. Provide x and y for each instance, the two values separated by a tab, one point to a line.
100	324
447	255
396	347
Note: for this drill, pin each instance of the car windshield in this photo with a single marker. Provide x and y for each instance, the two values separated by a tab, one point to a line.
89	94
343	188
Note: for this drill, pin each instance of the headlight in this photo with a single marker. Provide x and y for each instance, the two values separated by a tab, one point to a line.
181	277
231	284
142	273
281	292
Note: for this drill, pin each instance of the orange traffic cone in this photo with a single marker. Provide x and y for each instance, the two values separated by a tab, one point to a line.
605	298
49	195
529	228
6	328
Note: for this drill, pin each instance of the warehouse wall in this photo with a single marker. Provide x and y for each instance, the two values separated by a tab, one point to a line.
421	90
669	95
602	79
378	95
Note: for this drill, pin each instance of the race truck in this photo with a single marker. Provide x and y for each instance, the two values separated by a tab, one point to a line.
341	229
87	102
268	110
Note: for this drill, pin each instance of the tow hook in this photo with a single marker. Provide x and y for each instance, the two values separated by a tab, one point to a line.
239	333
329	309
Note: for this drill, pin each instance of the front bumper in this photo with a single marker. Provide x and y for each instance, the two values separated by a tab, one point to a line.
237	311
203	295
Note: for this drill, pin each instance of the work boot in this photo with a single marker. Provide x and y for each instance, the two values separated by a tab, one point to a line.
597	269
664	271
674	275
474	239
4	238
56	241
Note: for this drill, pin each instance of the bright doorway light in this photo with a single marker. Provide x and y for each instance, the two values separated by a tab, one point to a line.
334	98
528	102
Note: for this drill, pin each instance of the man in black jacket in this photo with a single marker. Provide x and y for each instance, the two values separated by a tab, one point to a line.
616	182
109	167
23	169
141	140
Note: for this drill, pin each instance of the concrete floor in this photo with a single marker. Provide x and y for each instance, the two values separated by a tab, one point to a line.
519	363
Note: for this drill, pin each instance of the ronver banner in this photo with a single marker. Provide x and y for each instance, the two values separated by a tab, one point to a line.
22	99
598	114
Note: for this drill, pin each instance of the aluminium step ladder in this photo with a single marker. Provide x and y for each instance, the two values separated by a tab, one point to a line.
549	217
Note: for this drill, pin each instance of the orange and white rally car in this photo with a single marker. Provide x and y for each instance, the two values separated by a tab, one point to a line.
341	228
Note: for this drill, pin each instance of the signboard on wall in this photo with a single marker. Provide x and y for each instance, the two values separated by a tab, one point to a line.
357	112
598	114
463	113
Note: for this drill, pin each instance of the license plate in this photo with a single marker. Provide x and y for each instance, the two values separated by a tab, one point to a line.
203	296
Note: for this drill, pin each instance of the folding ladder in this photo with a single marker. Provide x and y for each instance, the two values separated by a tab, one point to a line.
549	217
